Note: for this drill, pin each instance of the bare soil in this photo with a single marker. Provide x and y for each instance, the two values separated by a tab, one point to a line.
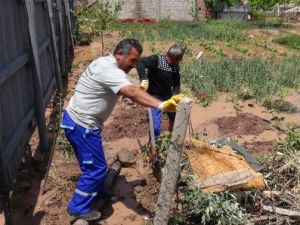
127	128
242	124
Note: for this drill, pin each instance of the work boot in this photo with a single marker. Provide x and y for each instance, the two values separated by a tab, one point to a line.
103	199
91	216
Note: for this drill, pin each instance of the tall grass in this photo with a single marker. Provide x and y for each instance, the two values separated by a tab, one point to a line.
247	77
166	30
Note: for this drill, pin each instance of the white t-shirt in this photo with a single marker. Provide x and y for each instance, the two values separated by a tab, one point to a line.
95	94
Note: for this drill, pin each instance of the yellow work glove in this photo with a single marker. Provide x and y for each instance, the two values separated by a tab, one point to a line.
177	98
144	85
168	106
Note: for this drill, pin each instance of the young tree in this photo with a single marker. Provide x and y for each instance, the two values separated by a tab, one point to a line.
103	13
94	19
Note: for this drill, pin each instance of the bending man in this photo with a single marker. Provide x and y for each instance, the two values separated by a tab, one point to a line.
160	77
95	96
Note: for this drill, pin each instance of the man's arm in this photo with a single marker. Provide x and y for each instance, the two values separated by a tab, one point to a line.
144	63
139	96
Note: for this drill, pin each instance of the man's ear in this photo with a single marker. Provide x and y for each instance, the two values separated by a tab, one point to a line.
119	55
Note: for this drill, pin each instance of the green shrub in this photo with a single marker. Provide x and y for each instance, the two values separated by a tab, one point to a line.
214	209
292	41
280	105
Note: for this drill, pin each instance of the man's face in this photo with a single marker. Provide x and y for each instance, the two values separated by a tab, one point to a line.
173	61
127	62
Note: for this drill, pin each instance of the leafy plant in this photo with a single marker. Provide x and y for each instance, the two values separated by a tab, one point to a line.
95	19
82	32
214	209
103	14
285	170
280	105
292	41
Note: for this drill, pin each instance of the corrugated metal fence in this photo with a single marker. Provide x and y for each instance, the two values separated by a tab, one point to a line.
35	41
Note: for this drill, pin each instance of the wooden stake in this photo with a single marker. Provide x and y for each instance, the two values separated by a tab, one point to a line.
172	167
152	137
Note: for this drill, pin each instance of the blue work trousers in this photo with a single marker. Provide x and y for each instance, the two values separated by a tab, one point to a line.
156	115
87	146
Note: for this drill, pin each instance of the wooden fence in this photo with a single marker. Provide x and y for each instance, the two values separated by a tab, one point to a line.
35	41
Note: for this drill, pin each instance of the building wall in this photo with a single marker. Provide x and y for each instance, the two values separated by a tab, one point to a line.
177	10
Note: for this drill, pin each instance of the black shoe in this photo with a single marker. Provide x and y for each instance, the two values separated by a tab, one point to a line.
91	216
108	196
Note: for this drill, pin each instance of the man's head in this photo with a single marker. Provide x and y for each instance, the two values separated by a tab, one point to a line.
175	54
128	53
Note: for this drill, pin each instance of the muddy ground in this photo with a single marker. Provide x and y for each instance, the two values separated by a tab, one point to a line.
251	125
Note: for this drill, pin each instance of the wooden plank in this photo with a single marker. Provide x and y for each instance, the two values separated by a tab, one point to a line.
37	76
44	46
61	36
10	69
48	92
68	12
14	140
171	170
54	47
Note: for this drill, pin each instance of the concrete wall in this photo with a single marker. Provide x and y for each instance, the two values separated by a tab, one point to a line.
177	10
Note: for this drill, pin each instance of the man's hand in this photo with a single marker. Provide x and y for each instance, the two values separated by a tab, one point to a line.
144	85
177	98
168	106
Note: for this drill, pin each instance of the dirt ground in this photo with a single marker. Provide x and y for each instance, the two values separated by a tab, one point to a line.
247	122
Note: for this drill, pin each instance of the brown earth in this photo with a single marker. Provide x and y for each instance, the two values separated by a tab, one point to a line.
242	124
127	127
130	120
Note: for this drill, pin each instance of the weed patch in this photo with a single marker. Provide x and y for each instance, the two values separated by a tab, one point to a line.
247	77
292	41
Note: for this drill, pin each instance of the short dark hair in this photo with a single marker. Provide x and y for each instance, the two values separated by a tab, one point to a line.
127	44
176	51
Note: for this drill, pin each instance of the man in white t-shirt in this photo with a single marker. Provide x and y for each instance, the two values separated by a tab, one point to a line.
95	96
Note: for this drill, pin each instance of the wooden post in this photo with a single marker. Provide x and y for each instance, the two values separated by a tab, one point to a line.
37	76
152	137
172	168
54	46
61	36
68	12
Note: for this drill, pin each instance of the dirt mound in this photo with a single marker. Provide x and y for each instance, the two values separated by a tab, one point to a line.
260	147
128	121
242	124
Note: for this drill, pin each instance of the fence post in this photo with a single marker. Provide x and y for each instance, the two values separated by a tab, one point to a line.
54	46
152	136
37	76
61	36
67	9
172	167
